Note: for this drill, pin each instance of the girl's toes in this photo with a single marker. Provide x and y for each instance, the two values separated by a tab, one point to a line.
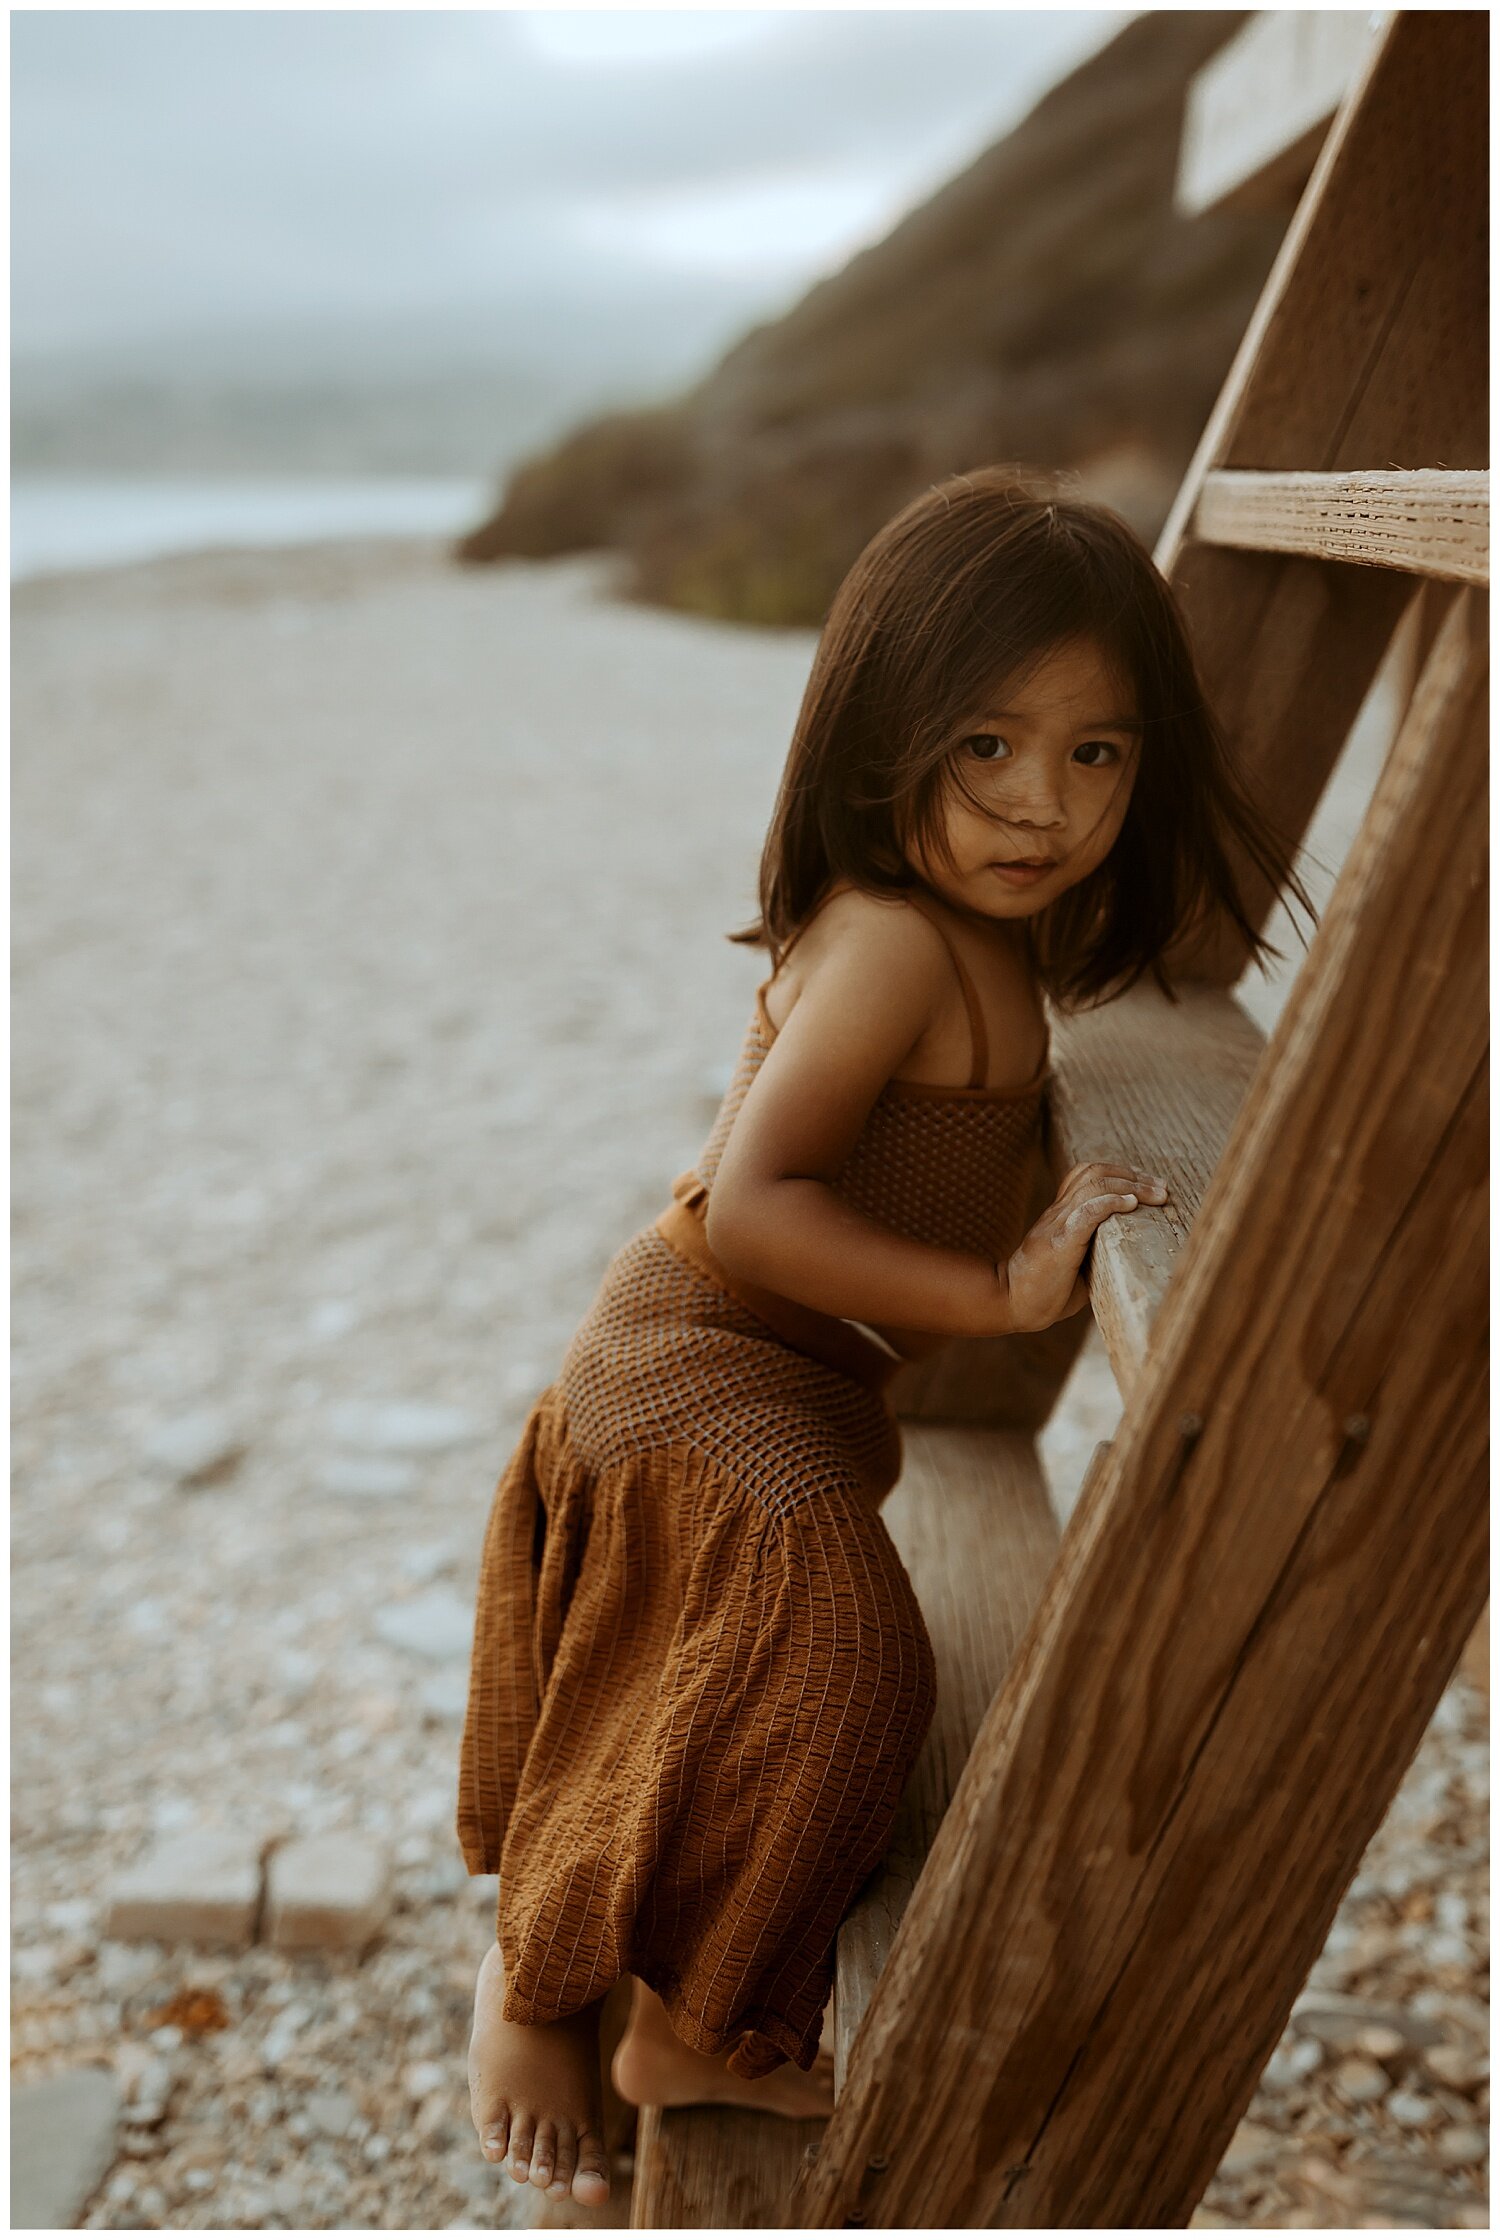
494	2134
591	2179
523	2132
567	2163
544	2153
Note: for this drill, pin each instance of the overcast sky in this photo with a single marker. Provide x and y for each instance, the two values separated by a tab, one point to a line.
495	173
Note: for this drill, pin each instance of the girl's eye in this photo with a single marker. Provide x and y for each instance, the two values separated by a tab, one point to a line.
986	746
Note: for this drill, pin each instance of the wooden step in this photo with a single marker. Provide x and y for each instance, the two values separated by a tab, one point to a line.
1423	520
1159	1085
979	1538
715	2170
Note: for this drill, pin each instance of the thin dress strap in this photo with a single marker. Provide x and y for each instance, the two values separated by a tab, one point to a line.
981	1065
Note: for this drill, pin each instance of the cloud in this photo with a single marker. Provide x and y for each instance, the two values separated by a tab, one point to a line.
205	172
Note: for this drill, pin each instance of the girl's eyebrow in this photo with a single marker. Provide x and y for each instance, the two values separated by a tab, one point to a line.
1094	723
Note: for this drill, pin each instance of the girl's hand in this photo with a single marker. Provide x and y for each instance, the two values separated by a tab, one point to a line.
1041	1277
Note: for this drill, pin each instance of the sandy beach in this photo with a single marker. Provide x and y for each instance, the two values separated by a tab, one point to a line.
370	988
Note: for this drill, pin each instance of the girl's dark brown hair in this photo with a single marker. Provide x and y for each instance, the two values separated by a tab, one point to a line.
968	587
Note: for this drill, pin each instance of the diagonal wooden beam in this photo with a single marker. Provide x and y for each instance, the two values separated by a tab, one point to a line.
1255	1608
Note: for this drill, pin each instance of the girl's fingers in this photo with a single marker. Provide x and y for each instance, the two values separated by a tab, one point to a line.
1092	1211
1090	1182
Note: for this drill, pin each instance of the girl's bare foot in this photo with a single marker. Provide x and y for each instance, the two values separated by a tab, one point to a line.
653	2068
534	2094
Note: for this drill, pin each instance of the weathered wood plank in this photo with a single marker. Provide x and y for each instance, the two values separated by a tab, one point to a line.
1422	519
1365	351
1257	112
977	1534
715	2169
1253	1612
1159	1084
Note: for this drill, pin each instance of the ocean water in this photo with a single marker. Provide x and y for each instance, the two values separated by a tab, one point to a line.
59	522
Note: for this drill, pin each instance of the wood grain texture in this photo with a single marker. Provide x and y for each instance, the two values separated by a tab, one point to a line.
719	2169
1422	519
1366	351
1255	1608
1160	1085
977	1534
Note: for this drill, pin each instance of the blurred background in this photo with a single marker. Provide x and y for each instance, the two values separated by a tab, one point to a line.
744	280
436	438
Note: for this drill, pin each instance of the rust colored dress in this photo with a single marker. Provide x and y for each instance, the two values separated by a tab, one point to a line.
699	1674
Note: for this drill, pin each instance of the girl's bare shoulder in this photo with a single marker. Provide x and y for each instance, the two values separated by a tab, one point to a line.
862	940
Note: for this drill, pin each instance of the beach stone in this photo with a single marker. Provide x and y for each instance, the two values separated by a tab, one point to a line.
1250	2149
199	1887
1336	2021
1361	2081
283	2034
367	1477
1459	2145
196	1449
1459	2068
330	1891
1451	1912
436	1624
62	2141
403	1426
445	1694
148	2088
1412	2110
332	2113
1379	2042
1445	1951
425	1560
420	2078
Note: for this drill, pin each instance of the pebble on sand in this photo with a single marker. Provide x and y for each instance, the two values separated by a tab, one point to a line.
197	1449
199	1887
367	1477
326	1892
435	1624
62	2141
403	1426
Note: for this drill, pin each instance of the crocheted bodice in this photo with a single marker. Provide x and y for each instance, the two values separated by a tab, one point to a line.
946	1166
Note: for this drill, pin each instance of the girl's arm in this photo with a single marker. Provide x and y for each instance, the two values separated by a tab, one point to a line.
878	983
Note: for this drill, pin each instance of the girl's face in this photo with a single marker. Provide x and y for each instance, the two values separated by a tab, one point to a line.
1048	767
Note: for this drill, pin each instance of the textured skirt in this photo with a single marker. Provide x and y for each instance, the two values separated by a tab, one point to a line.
699	1674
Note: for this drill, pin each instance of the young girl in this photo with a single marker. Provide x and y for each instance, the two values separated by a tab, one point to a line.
699	1674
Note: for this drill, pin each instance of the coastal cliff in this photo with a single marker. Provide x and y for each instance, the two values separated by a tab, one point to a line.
1047	305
